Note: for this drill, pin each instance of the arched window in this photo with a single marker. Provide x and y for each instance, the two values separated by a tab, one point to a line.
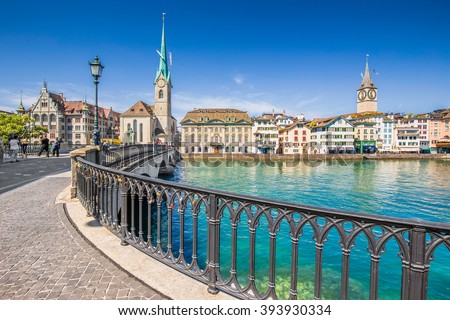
161	94
44	118
52	118
37	118
192	138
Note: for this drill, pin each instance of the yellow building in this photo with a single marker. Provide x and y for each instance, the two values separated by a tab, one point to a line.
216	130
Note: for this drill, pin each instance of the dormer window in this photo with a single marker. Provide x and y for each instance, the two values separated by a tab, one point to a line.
161	94
228	119
206	118
200	119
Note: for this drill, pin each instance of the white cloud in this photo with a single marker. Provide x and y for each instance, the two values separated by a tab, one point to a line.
252	103
239	79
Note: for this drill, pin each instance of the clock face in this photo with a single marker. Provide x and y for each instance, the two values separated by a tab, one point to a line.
362	95
161	83
372	94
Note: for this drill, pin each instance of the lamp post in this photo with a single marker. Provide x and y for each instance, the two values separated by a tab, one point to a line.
96	70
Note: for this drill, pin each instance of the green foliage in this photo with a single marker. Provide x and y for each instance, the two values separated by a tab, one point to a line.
19	124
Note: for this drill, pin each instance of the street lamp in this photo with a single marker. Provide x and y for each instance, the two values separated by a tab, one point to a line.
96	70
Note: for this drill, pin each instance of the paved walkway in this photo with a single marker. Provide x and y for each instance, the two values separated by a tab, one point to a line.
42	256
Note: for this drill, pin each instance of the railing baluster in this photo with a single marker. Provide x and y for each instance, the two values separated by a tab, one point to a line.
181	212
169	229
149	221
159	221
133	213
213	244
318	275
141	227
374	271
124	218
418	271
272	259
344	273
294	269
252	260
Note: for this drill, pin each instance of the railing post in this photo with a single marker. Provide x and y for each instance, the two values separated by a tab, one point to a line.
124	213
213	241
418	271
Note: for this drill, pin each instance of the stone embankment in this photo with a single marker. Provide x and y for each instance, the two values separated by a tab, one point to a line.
251	157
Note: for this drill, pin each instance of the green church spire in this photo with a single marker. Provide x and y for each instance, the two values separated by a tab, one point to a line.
163	65
20	108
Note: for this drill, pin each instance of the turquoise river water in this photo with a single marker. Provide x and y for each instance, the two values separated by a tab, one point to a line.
400	188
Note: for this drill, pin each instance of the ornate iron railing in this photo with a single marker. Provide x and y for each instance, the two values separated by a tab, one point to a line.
199	232
122	156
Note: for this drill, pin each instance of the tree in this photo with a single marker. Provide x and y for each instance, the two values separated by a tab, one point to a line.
19	124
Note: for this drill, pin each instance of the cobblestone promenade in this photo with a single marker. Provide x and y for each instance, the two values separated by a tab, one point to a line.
43	257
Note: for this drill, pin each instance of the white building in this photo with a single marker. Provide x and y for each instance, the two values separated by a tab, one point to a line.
331	135
265	133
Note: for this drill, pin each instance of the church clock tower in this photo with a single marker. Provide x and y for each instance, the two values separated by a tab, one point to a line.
163	87
367	96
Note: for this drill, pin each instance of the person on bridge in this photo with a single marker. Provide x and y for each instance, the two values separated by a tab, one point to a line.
56	146
2	149
14	147
24	144
44	146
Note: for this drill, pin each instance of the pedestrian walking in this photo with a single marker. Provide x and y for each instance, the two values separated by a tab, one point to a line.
44	146
2	149
14	147
24	144
55	147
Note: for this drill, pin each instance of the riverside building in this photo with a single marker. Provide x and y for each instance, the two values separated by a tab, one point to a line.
72	121
331	135
216	130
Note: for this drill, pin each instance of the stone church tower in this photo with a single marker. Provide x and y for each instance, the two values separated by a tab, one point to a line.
166	124
367	93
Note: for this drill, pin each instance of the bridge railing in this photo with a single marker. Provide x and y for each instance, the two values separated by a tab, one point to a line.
219	238
122	156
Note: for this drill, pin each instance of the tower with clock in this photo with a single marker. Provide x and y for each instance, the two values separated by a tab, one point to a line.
367	99
165	127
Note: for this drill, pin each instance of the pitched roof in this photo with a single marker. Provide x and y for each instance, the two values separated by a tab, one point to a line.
325	122
76	107
367	80
139	109
220	114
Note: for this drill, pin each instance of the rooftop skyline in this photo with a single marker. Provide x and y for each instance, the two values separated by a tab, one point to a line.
299	56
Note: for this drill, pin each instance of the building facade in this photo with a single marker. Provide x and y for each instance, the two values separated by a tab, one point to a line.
72	121
216	130
265	134
295	138
331	135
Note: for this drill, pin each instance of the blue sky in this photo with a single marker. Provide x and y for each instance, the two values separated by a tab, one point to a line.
304	57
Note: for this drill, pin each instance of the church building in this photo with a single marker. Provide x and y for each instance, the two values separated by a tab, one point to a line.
143	123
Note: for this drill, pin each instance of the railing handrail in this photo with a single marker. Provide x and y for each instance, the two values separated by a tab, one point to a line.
330	212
